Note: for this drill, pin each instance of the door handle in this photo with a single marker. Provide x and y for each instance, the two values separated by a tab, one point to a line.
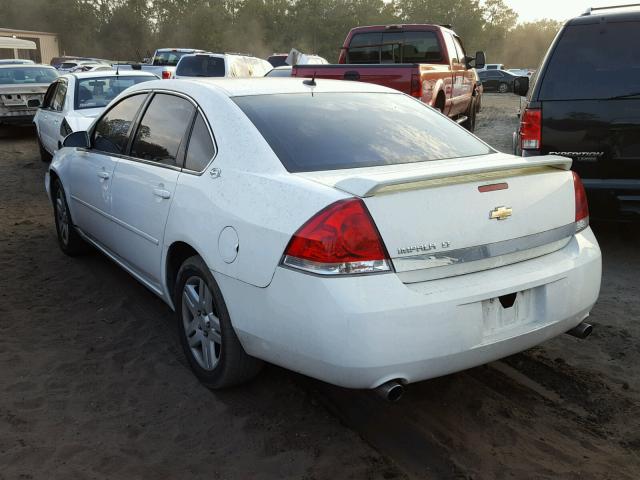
103	174
159	192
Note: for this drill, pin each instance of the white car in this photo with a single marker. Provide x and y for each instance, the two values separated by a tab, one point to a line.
339	229
221	65
75	100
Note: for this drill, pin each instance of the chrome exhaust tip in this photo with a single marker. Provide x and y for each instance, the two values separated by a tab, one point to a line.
391	391
582	330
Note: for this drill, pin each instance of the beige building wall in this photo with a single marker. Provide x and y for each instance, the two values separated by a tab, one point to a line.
47	45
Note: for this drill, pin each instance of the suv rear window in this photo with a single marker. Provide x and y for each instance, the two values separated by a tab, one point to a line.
394	47
168	58
201	66
328	131
594	62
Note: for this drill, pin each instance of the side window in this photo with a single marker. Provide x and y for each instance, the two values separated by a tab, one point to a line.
112	130
451	47
459	49
201	149
365	48
48	97
59	96
162	129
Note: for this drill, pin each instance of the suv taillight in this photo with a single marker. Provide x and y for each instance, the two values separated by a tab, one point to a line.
166	74
416	86
341	239
531	129
582	206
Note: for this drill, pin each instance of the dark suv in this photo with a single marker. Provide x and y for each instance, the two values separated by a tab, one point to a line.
585	104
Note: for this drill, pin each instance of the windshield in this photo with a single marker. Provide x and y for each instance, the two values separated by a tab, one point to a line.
327	131
594	62
169	58
201	66
27	75
98	92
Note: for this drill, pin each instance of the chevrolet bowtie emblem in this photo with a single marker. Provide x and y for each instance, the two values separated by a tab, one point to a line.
500	213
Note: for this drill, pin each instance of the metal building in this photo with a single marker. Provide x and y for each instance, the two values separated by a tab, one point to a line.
46	45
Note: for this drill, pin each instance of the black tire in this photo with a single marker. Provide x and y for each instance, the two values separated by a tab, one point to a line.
44	155
470	122
503	88
70	241
231	365
439	105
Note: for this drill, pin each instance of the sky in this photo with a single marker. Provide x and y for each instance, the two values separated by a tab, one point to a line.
529	10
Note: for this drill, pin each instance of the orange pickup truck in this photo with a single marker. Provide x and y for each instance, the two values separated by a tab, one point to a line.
425	61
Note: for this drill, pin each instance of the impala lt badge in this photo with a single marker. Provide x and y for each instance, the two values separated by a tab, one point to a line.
500	213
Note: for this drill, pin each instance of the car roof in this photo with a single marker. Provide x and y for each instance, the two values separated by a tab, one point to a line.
607	15
239	87
179	50
112	73
25	65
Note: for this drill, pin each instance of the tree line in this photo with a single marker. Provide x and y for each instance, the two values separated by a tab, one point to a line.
132	29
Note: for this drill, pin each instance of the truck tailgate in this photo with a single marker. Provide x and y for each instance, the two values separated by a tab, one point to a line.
396	76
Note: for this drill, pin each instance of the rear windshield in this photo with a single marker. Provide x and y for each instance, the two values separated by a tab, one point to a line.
277	60
169	59
394	47
328	131
201	66
98	92
27	75
594	62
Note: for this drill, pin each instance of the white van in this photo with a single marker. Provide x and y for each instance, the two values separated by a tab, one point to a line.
221	65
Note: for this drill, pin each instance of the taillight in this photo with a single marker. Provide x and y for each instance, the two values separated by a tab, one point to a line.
166	75
341	239
343	55
582	206
530	129
416	86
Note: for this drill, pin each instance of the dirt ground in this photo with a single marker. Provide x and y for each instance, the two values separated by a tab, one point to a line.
93	384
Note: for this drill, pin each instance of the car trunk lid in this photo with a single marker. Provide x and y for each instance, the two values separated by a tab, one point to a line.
445	218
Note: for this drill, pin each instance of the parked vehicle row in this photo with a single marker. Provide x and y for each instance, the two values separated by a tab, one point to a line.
501	81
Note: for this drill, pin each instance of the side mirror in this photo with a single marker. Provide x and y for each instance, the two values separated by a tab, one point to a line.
477	62
77	140
521	86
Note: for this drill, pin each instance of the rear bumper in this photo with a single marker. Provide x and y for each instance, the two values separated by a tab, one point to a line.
611	199
360	332
17	117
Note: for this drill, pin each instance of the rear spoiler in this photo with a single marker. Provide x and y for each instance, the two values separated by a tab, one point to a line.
367	182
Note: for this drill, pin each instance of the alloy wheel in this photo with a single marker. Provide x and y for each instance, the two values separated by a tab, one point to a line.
62	217
201	323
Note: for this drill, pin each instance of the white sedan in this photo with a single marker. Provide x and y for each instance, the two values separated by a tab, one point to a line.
73	101
339	229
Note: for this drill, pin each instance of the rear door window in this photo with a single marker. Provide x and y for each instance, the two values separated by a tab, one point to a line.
595	61
111	134
200	150
162	129
58	98
327	131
